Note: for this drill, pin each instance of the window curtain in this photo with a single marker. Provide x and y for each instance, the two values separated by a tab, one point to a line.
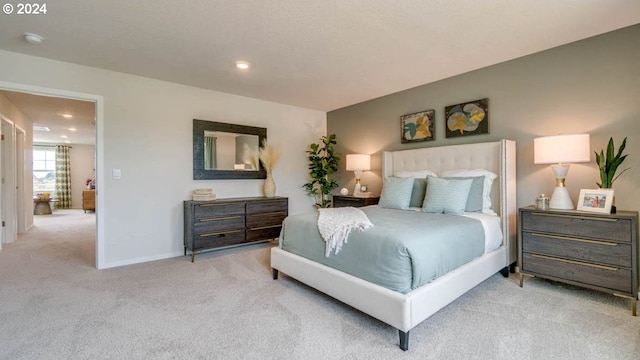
210	152
63	178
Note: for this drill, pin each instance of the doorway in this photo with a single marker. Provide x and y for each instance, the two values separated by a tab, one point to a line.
23	140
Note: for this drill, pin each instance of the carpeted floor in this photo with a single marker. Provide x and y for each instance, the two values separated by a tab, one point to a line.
55	305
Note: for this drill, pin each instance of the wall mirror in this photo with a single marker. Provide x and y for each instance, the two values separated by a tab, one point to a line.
227	151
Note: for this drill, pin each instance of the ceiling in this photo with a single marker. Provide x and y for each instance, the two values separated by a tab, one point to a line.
321	55
46	111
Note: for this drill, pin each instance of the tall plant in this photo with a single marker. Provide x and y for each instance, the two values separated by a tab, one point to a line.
609	164
323	161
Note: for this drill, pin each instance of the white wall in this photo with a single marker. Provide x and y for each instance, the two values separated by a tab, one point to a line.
147	133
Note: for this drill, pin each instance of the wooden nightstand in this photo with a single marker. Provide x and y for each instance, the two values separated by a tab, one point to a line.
348	200
595	251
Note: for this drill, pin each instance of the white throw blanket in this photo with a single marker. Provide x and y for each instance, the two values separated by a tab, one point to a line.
335	224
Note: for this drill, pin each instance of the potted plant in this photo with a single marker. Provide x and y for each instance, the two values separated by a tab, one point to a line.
609	164
323	161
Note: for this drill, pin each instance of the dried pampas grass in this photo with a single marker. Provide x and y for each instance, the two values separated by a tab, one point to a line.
269	155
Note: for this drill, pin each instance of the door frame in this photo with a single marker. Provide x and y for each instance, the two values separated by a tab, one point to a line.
8	195
100	178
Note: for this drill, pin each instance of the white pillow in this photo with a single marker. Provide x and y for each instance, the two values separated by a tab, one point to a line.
417	174
447	196
486	190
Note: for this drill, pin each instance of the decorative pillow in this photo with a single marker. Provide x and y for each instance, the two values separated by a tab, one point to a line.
417	174
419	184
486	188
396	193
418	192
446	195
474	201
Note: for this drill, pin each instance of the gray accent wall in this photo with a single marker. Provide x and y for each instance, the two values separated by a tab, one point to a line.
590	86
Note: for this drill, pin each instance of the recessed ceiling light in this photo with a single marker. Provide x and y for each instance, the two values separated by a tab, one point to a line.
40	128
68	116
242	65
32	38
72	129
67	142
63	136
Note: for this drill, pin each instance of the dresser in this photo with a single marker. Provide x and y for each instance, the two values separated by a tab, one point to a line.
88	200
596	251
231	222
347	200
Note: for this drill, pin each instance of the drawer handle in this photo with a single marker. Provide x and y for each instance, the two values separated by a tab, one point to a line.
220	233
575	239
575	262
265	227
219	204
575	217
221	218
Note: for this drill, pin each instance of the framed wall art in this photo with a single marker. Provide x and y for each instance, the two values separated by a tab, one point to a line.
470	118
596	200
418	126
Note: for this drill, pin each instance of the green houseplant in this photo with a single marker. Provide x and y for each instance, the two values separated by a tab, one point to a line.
609	164
323	161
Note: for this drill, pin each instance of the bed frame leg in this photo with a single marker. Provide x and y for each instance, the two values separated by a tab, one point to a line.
404	340
505	271
275	274
512	267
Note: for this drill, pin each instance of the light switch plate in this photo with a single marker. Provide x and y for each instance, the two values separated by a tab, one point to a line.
116	174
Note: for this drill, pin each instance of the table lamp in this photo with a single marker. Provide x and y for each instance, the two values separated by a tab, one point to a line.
358	163
561	150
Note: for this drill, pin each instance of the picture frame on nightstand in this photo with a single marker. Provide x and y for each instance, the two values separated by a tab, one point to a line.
596	200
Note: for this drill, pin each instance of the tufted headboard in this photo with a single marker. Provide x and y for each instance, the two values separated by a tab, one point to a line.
498	157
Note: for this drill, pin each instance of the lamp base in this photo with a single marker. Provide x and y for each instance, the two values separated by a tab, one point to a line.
560	199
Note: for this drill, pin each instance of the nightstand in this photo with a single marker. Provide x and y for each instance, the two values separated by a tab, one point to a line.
595	251
348	200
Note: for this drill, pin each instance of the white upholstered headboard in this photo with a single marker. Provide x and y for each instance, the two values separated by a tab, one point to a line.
498	157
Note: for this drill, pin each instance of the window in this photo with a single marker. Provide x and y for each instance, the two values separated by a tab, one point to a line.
44	170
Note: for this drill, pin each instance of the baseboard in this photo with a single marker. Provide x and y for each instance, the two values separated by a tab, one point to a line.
143	259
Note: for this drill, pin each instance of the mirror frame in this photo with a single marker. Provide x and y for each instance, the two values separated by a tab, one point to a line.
200	173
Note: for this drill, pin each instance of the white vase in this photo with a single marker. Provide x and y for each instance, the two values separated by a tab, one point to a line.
269	186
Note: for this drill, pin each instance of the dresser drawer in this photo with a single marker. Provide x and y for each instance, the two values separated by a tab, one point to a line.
212	209
267	206
613	278
601	252
218	239
221	224
578	225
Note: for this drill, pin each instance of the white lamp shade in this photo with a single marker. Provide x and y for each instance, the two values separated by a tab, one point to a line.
561	149
359	162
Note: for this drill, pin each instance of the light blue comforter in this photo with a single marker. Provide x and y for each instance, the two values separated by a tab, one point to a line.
402	251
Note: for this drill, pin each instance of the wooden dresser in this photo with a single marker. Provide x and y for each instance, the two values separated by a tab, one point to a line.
88	200
231	222
596	251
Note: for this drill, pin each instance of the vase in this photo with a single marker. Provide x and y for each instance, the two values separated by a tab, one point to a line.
269	186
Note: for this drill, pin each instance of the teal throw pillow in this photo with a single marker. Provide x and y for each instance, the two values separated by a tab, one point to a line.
396	193
446	195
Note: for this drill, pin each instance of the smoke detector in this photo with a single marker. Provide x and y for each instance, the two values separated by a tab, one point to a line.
32	38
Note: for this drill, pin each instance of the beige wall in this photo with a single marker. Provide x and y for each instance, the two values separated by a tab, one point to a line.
82	159
144	128
10	112
589	86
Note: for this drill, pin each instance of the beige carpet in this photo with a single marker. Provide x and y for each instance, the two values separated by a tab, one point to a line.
55	305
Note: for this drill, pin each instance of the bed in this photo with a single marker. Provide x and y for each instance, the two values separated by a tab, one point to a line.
405	309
